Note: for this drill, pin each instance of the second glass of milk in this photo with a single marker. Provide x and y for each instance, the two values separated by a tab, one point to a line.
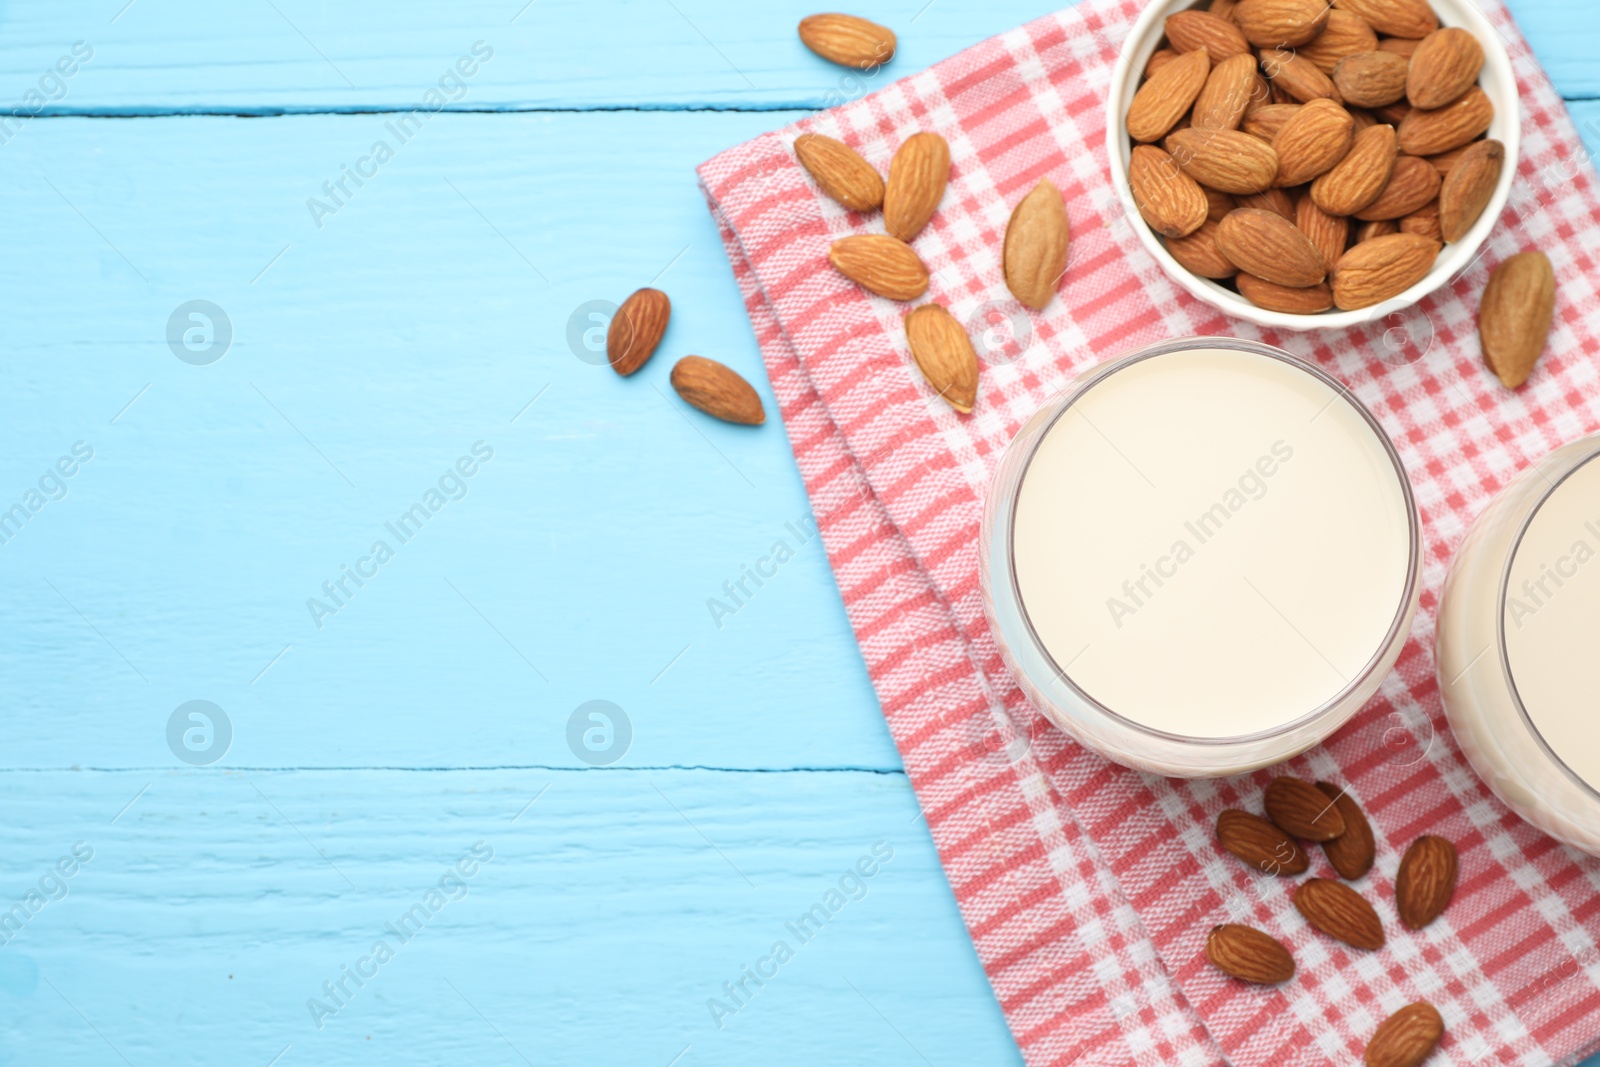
1202	558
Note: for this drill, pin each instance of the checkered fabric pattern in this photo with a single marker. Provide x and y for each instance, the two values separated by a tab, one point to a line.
1089	888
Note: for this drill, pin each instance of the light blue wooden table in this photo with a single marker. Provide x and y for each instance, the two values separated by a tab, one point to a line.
395	765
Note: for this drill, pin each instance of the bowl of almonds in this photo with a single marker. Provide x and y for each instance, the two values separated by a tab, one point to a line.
1312	166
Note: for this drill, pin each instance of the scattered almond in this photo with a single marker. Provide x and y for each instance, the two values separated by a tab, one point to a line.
1346	35
1281	23
1260	844
1427	133
840	172
1352	852
1395	18
1249	955
1310	300
1358	178
848	40
636	330
1167	96
1426	881
1469	186
717	390
1340	912
1371	79
880	264
1514	318
944	354
1302	810
1312	141
918	174
1444	66
1407	1037
1413	185
1228	160
1201	31
1168	199
1381	269
1035	251
1198	254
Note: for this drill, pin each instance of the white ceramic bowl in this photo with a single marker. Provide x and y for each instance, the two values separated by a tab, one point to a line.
1497	81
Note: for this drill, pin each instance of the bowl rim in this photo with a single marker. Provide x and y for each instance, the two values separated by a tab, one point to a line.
1454	260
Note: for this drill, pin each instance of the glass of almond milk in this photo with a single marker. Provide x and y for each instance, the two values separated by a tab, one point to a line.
1518	645
1202	558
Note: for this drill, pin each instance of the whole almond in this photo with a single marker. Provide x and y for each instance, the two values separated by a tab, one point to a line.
1424	221
1260	844
636	330
1226	94
1371	79
1400	46
1347	34
1298	76
1413	185
1353	851
1035	251
880	264
717	390
1360	176
944	354
1267	245
1312	141
1330	233
1311	300
1395	18
1167	96
1249	955
1407	1037
1371	231
1198	253
1382	268
848	40
1267	122
1340	912
1227	160
1301	810
1158	59
1201	31
1277	201
918	174
1445	65
1426	881
1427	133
1514	318
1281	23
1169	200
840	172
1469	187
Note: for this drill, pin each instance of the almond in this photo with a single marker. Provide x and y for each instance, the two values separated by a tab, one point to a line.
880	264
1469	186
1312	141
1269	246
1426	881
1445	160
1225	96
1407	1037
717	390
1301	810
1395	18
944	354
1445	65
1371	79
1266	122
1360	176
1201	31
1218	205
1281	23
1353	851
1394	114
1249	955
1424	221
636	330
1413	185
1514	318
1158	59
1167	96
1369	231
840	172
1382	268
1227	160
1298	76
1310	300
1330	233
1198	253
1400	46
1346	35
1276	201
1223	8
847	40
1260	844
1364	119
1340	912
918	174
1169	200
1427	133
1035	251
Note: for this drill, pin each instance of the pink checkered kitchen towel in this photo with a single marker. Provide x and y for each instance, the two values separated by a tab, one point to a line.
1088	888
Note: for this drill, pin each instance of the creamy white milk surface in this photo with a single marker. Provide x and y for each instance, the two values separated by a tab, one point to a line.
1213	543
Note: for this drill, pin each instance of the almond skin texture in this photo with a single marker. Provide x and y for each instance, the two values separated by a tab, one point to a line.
1407	1037
1371	79
1345	35
1249	955
1313	141
1158	59
1198	254
1360	176
1400	46
1514	318
1268	121
1201	31
1301	810
880	264
1222	101
1036	245
1225	160
636	330
1424	221
1169	200
1167	96
1260	844
1353	851
1330	233
1426	881
1340	912
1413	185
1371	231
717	390
1381	269
944	354
1275	200
918	174
1281	23
1298	76
840	172
1394	18
1445	65
1469	186
1218	205
1269	246
1428	133
1311	300
847	40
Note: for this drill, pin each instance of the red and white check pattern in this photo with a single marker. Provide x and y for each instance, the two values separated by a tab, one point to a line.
1089	888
